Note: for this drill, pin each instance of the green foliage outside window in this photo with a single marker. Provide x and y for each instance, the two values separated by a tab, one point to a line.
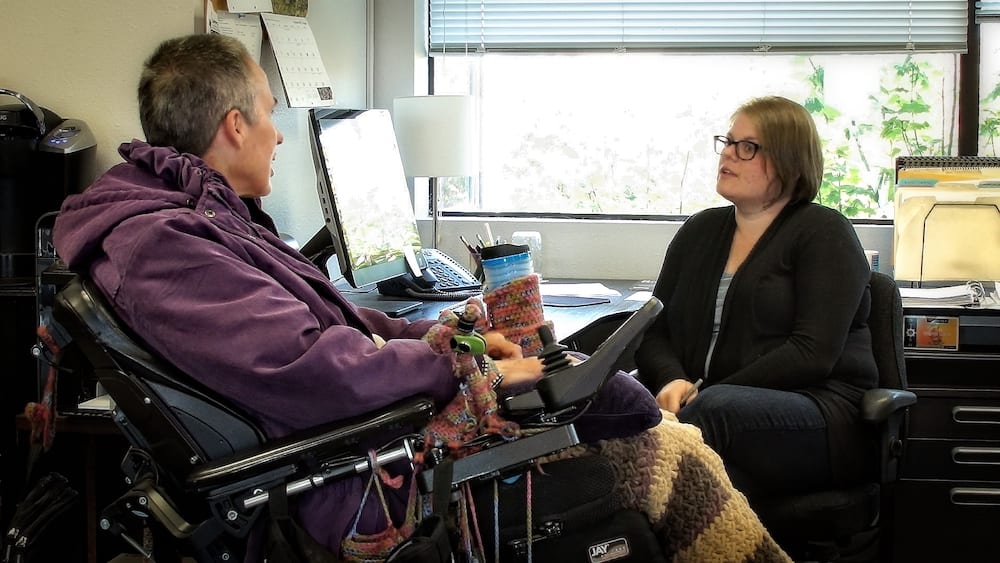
989	127
851	184
630	152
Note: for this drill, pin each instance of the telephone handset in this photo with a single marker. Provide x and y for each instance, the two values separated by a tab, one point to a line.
442	279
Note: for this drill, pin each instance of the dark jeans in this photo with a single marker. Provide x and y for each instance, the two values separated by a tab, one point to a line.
772	442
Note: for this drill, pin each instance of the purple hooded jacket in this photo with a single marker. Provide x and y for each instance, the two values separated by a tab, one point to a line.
174	249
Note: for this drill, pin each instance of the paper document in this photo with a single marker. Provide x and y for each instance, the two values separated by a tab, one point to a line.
953	295
578	289
642	296
244	28
99	403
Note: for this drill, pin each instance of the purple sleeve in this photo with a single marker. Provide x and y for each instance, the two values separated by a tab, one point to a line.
389	328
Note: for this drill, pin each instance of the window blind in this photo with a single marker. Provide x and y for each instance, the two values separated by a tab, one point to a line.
878	26
987	11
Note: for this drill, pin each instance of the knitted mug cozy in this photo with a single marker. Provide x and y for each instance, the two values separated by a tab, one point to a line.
515	310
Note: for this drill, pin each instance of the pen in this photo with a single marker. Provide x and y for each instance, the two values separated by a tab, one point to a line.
687	396
469	247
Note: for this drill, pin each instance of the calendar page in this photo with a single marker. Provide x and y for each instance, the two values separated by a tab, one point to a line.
303	74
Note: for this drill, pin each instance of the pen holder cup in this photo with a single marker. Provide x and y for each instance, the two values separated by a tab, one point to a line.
515	310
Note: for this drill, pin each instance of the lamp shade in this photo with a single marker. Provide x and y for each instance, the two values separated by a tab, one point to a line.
436	135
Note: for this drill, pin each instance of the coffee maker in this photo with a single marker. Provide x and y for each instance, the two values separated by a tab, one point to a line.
43	158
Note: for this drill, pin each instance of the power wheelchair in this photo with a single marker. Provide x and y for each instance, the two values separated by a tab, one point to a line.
201	474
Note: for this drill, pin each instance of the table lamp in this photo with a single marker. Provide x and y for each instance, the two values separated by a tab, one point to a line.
436	138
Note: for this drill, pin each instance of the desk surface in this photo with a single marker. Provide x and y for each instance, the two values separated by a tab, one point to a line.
566	321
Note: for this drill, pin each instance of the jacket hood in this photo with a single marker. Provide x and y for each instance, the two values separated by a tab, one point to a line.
151	179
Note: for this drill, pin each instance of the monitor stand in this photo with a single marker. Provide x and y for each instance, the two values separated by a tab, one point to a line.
319	249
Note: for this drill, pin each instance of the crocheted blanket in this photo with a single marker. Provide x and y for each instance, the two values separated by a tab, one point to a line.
669	474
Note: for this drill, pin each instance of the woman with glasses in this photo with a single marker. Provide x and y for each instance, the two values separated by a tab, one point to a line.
763	342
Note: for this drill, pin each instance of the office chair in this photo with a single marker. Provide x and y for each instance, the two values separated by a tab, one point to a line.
843	524
201	474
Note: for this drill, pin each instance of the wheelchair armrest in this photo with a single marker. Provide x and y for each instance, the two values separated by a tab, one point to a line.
572	385
877	405
313	444
503	457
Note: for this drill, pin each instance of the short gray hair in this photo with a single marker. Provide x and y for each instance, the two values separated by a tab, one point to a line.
188	85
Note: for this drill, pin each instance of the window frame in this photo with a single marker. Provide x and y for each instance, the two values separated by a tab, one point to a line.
726	26
967	139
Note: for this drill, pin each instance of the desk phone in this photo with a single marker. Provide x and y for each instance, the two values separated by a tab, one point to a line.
442	279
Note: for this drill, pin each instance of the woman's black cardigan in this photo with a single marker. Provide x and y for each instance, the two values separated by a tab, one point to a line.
795	317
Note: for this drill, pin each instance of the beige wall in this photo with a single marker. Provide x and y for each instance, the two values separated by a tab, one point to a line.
81	59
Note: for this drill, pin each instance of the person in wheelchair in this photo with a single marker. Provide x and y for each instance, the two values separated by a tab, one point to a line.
177	241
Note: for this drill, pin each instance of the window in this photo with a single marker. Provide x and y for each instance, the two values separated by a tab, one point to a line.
628	131
989	79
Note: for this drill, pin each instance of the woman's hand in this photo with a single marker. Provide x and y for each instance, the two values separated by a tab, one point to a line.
669	398
499	348
519	371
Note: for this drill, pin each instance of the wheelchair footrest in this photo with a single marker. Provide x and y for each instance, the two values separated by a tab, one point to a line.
495	460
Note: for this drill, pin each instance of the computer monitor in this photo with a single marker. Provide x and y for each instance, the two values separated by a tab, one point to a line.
948	232
363	193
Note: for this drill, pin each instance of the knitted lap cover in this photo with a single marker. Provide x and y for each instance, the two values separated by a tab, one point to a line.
669	474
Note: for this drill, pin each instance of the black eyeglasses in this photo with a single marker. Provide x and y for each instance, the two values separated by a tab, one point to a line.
745	150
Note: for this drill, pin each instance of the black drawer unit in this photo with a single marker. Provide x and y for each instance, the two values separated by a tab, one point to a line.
935	524
947	501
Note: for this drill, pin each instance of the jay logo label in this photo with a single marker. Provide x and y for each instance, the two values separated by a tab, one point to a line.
609	550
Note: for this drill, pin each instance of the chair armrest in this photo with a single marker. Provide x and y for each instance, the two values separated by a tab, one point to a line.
314	444
877	405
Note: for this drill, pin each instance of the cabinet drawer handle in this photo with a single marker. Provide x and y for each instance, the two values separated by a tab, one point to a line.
976	415
976	456
975	497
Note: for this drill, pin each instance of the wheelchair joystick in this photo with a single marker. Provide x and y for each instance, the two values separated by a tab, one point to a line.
553	354
466	323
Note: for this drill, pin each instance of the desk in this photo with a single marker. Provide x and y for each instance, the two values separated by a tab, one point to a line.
90	428
567	321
